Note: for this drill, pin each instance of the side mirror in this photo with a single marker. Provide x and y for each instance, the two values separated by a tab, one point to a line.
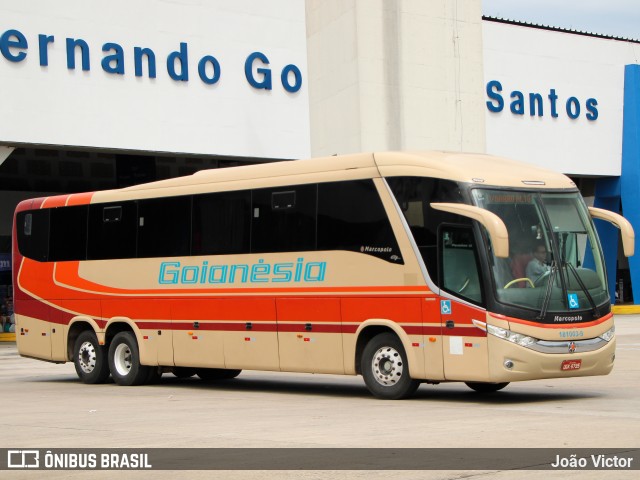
494	224
621	223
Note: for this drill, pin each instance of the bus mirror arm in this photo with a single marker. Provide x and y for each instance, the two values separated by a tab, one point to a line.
494	224
621	223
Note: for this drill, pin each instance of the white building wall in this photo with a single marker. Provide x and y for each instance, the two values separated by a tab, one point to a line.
531	60
56	105
395	74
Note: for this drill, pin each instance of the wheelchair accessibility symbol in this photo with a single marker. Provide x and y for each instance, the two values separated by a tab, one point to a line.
445	307
573	301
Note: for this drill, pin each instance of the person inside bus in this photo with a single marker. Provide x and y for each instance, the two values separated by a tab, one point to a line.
537	267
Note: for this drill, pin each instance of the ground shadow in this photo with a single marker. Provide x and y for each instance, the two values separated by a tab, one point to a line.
354	387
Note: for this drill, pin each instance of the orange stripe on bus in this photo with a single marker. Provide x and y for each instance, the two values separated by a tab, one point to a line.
554	325
57	201
80	199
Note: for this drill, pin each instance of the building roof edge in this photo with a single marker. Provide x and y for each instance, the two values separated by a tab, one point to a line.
557	29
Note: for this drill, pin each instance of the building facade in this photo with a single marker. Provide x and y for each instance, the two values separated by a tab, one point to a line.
100	97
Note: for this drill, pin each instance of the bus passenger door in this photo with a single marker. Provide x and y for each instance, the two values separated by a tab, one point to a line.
310	335
465	351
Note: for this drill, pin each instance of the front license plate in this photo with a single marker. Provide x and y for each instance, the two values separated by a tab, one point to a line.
571	365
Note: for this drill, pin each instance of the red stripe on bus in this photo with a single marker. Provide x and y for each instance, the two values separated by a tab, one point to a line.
463	332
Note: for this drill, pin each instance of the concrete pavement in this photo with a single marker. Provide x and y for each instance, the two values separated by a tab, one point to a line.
46	406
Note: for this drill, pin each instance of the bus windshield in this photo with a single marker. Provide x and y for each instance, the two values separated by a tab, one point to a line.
555	263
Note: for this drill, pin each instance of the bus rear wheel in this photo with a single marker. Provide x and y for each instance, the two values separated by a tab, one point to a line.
90	358
485	387
385	368
212	374
124	360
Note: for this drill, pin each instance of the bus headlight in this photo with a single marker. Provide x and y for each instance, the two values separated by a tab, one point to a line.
517	338
609	334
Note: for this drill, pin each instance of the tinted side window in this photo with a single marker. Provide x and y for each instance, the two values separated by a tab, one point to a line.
33	234
459	258
284	219
68	239
164	226
351	217
415	195
221	223
112	231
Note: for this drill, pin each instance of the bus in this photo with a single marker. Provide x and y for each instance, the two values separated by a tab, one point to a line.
405	268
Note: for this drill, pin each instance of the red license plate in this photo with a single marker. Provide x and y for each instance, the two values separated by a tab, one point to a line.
571	365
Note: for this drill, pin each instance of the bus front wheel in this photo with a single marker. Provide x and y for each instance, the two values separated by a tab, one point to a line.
124	360
385	368
90	358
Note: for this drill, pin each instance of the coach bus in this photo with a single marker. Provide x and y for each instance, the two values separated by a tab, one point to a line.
401	267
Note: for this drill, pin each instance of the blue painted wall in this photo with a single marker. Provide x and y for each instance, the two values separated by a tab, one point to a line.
607	196
630	179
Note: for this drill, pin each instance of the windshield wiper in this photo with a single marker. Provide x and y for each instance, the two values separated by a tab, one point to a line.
547	293
583	287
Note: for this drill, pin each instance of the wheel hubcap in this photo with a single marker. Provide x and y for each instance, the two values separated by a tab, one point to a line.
387	366
87	357
122	359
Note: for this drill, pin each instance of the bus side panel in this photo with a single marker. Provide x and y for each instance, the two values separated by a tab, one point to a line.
406	313
237	332
310	335
197	338
59	330
252	340
33	335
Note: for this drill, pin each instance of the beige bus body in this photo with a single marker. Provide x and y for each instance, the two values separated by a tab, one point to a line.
304	327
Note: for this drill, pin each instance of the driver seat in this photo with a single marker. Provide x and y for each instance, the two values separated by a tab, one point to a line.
519	264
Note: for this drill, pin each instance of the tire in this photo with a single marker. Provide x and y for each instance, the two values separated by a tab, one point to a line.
90	358
124	361
385	368
213	374
183	372
483	387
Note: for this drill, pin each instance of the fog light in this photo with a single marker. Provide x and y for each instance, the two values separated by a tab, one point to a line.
508	364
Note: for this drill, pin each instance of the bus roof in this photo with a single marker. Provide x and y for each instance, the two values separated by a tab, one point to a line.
464	167
473	168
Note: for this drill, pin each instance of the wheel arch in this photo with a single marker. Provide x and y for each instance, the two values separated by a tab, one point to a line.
77	325
372	327
116	325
